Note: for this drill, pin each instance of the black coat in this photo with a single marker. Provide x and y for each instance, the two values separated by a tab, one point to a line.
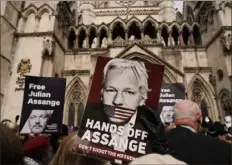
95	111
194	148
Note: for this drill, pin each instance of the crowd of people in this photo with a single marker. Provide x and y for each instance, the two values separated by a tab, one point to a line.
191	139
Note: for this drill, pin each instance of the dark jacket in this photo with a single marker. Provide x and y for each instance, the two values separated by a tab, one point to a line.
194	148
95	111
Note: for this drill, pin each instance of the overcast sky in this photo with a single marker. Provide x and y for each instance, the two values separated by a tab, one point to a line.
179	5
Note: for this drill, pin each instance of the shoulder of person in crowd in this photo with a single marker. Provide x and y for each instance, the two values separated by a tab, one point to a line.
170	127
30	161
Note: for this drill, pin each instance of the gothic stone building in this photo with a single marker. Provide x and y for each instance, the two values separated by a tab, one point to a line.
63	39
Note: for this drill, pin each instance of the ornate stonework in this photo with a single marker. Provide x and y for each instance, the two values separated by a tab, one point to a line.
197	93
190	16
205	15
48	47
226	40
24	66
212	80
124	12
77	95
64	16
226	103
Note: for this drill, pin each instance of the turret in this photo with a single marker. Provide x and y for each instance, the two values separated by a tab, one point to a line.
87	14
167	11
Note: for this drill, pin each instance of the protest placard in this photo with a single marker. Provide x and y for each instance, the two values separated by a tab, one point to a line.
170	94
43	103
121	92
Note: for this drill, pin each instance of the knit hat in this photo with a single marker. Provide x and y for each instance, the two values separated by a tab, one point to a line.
217	129
156	159
36	146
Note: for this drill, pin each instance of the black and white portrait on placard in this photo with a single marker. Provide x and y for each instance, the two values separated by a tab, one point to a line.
170	94
123	91
166	114
37	121
43	104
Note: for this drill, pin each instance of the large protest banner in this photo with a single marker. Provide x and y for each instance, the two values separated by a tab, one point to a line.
43	104
170	94
121	90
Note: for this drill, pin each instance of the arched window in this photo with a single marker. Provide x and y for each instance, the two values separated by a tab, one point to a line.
81	38
150	30
44	20
71	114
164	34
197	36
30	25
71	39
204	108
186	34
103	34
175	34
92	36
80	113
197	92
134	30
118	31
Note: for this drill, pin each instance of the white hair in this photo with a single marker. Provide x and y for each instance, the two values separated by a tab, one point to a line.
153	159
188	112
138	69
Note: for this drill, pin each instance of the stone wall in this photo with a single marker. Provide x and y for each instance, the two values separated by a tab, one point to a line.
9	20
12	103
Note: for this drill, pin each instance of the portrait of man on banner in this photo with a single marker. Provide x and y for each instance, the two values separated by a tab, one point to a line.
113	122
166	114
37	121
170	94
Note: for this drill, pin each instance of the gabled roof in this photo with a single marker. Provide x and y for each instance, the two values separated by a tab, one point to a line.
147	55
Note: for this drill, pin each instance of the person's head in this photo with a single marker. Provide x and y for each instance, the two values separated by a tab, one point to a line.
66	156
156	159
125	84
37	121
187	113
12	126
37	148
228	121
167	114
10	147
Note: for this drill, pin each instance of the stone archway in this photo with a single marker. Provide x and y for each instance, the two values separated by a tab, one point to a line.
200	92
168	75
225	102
166	78
75	99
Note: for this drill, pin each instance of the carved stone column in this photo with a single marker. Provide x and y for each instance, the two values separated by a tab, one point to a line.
191	39
159	35
98	40
37	21
87	41
126	36
48	54
77	42
180	38
142	34
170	38
110	37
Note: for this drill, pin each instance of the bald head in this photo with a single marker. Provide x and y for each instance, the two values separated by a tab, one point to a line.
186	109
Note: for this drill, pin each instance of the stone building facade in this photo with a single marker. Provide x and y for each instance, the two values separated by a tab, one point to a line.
63	39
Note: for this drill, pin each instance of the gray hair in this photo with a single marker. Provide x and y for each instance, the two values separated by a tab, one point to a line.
187	112
138	69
